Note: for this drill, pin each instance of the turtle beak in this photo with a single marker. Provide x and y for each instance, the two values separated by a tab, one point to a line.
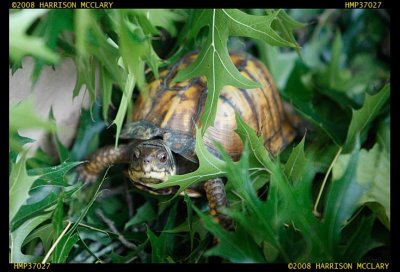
145	181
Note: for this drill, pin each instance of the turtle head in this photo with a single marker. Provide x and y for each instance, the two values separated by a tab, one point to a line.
151	163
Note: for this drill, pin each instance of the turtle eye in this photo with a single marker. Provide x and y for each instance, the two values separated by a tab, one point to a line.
136	153
162	157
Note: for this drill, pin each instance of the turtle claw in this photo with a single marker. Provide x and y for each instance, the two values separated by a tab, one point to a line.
85	175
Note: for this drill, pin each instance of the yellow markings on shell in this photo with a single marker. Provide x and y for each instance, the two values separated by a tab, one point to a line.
175	102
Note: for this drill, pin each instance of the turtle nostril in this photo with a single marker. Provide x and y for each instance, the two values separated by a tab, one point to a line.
147	159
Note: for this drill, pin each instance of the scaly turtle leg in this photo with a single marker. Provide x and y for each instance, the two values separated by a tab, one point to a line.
103	158
216	197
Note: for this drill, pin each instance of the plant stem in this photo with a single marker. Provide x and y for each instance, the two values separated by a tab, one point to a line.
324	181
56	242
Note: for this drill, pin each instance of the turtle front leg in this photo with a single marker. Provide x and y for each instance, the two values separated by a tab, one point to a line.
99	160
215	191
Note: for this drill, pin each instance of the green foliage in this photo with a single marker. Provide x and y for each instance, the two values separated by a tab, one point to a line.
143	214
214	61
23	44
297	163
326	198
18	236
363	117
209	167
161	246
22	116
372	176
20	183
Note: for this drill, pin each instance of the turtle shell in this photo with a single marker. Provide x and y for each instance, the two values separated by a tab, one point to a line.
176	109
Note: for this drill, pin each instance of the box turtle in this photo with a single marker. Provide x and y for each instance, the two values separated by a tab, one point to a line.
161	136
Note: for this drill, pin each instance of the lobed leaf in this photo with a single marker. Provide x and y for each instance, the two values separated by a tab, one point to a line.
125	100
46	204
236	247
209	167
106	83
161	246
365	115
18	236
53	175
86	140
342	199
143	214
213	60
44	233
20	184
23	115
63	152
22	44
55	23
164	18
361	241
65	245
297	163
280	64
57	224
16	143
373	172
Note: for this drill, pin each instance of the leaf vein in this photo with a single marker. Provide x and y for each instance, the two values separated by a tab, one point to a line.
252	28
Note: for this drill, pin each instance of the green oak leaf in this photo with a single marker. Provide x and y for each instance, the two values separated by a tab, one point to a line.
16	143
18	236
125	100
312	106
132	35
285	24
365	115
280	64
343	197
87	138
355	180
20	184
236	247
52	176
48	203
135	31
297	164
213	60
209	167
51	28
383	134
161	245
22	44
58	224
64	246
359	178
373	172
360	241
165	18
143	214
106	84
44	233
23	115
